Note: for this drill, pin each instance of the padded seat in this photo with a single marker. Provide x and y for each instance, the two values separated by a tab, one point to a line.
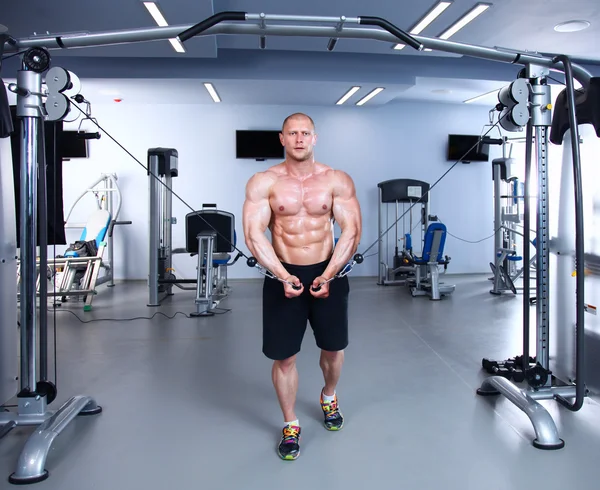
435	239
96	229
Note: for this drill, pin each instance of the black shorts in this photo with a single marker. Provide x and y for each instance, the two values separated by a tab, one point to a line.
285	319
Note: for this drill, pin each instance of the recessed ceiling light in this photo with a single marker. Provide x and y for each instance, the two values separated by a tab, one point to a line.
369	96
429	17
347	95
572	26
441	91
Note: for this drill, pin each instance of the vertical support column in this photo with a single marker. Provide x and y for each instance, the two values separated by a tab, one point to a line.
109	193
43	241
541	119
28	111
542	250
497	209
167	222
153	230
380	266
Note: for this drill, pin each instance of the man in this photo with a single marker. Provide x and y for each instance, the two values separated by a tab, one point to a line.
298	200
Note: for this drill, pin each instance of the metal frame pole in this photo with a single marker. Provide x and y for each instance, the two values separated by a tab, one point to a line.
221	24
28	110
153	231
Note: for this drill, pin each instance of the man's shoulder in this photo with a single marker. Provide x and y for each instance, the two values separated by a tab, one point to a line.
334	174
267	175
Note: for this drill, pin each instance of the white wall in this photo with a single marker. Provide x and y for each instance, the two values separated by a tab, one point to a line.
404	140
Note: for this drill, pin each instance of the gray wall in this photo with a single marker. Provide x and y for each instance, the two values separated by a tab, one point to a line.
403	140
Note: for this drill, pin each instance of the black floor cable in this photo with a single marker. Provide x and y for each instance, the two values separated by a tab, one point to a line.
171	317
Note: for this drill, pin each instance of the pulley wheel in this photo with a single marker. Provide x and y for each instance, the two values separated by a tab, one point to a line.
37	59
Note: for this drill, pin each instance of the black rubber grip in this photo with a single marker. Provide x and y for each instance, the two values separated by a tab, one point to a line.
358	258
251	262
392	29
297	288
318	288
211	21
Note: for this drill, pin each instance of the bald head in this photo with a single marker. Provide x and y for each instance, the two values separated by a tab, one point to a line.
299	117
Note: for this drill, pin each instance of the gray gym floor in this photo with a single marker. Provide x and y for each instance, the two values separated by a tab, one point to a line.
188	403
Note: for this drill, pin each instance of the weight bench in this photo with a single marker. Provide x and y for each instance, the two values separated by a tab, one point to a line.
426	281
76	273
214	249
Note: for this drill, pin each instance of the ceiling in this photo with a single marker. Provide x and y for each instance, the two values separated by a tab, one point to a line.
293	69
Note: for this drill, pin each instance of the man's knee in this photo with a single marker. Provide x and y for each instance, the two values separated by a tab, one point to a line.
332	356
285	365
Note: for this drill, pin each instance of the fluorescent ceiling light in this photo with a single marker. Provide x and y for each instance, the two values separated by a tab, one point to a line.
347	95
212	92
177	46
473	99
156	14
160	20
475	12
369	96
433	14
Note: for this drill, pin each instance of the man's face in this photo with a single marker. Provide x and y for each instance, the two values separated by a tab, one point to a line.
298	138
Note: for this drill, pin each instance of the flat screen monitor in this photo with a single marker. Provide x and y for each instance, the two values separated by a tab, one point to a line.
258	144
466	146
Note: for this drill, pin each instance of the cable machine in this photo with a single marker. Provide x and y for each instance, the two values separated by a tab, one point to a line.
571	109
395	192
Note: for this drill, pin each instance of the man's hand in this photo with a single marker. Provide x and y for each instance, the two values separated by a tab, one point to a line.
290	292
322	286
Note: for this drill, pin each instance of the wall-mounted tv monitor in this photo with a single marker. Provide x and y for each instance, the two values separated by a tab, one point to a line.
258	144
466	146
73	145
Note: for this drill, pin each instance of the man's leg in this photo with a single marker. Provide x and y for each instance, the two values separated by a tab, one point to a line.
329	319
285	381
331	365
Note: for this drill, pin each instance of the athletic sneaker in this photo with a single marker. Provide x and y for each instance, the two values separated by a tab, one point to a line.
334	419
289	446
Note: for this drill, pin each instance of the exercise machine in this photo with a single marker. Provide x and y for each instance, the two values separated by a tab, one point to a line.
570	110
427	280
419	272
526	102
78	272
34	391
163	166
210	234
202	240
508	215
392	194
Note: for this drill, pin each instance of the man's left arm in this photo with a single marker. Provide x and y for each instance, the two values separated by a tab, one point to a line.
346	211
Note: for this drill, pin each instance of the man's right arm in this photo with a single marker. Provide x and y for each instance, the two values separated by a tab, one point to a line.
256	217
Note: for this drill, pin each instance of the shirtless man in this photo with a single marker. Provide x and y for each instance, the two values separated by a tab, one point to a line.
298	200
